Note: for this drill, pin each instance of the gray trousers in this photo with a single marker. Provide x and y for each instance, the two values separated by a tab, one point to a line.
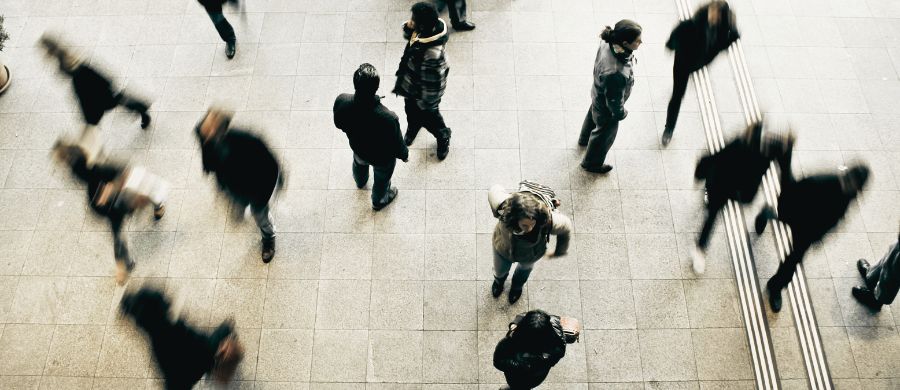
502	266
263	217
884	278
598	132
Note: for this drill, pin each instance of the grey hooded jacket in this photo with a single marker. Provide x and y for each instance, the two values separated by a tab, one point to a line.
613	80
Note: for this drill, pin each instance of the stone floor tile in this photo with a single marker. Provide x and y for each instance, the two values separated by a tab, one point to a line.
456	172
346	256
299	211
450	305
125	352
239	299
24	348
395	356
640	170
621	343
660	304
496	130
788	353
825	301
450	257
195	254
447	357
285	355
646	211
558	297
854	313
653	256
398	257
443	219
721	354
298	256
712	303
196	297
65	382
343	304
867	342
290	304
339	355
840	355
74	350
496	313
396	305
36	299
601	256
85	301
608	305
497	166
598	211
487	343
495	92
667	355
546	166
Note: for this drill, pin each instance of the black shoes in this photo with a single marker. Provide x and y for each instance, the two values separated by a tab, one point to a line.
762	219
268	249
667	136
514	294
159	212
605	168
391	195
443	147
145	120
464	26
866	297
410	136
496	288
774	297
230	49
863	267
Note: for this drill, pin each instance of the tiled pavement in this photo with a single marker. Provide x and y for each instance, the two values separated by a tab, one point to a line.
400	299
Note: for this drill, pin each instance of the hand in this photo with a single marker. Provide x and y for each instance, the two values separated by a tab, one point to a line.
406	160
410	24
550	253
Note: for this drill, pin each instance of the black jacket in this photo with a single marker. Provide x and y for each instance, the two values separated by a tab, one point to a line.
184	354
813	206
526	363
692	42
214	6
95	177
736	171
94	92
422	73
243	164
373	130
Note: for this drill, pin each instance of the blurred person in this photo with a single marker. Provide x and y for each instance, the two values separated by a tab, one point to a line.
183	353
422	76
92	88
811	207
457	11
245	169
374	134
534	344
114	191
735	173
881	281
526	219
226	32
696	42
613	79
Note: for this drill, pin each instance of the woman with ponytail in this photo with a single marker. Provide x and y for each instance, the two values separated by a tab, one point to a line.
613	80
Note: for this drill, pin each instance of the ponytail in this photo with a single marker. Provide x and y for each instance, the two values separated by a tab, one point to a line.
624	31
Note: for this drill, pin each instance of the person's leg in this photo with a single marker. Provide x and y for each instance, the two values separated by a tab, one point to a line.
226	32
124	264
501	272
382	192
601	141
786	271
360	171
263	218
587	127
679	87
520	276
457	10
715	205
135	105
433	121
413	120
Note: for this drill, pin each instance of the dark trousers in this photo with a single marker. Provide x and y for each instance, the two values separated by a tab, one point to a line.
598	132
120	246
431	120
679	87
457	11
382	182
787	268
715	204
226	32
93	115
883	281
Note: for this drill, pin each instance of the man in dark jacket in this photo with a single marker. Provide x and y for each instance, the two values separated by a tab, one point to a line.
184	354
696	43
532	346
882	282
245	169
226	32
811	207
422	76
374	135
735	173
93	89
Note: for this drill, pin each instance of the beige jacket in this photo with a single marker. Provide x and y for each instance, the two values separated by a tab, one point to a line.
516	249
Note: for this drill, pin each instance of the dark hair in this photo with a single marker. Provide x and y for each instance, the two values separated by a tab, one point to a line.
366	80
524	205
425	15
625	31
726	17
535	331
858	175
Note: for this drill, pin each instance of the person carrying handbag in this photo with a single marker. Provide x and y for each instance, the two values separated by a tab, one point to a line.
535	342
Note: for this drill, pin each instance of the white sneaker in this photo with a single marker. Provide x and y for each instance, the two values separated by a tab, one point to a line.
699	260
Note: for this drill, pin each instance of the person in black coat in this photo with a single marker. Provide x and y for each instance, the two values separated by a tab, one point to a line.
106	197
374	134
245	168
735	173
696	43
226	32
92	88
184	354
882	281
530	349
811	207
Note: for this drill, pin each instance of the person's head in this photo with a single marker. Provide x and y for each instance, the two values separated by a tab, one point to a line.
753	134
524	212
366	80
67	61
148	307
424	16
68	153
228	356
214	124
536	330
626	34
854	178
717	11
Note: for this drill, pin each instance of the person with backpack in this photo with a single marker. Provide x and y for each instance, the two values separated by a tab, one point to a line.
183	353
613	79
535	342
526	219
696	42
881	281
374	134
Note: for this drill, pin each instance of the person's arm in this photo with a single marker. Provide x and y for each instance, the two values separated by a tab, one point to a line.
615	95
408	30
433	76
675	38
562	229
496	196
402	150
507	359
784	161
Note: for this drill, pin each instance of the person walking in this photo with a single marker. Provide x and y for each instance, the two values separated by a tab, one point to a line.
735	173
696	42
457	11
881	281
613	80
226	32
532	346
811	207
374	134
183	353
422	76
92	88
114	192
245	168
526	219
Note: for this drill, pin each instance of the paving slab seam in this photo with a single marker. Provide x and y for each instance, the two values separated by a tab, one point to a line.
747	283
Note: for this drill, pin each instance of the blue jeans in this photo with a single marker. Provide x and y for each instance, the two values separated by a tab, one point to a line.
382	183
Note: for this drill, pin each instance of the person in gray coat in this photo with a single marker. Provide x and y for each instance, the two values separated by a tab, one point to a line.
882	281
613	79
525	223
